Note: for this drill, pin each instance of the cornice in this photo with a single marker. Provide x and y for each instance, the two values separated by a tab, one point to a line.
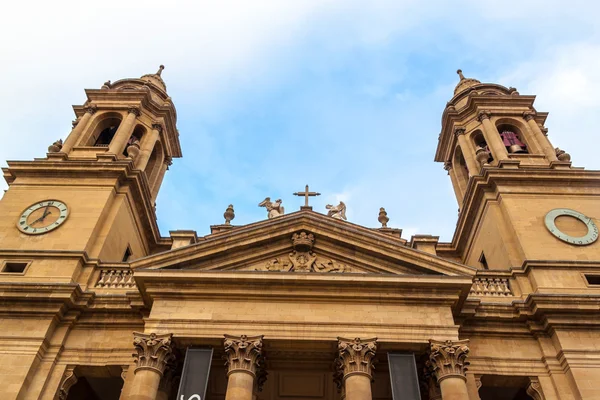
354	237
122	172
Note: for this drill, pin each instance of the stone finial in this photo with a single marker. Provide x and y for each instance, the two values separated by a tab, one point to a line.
562	155
153	351
243	353
56	146
355	357
229	214
449	358
482	156
133	147
460	74
383	218
160	70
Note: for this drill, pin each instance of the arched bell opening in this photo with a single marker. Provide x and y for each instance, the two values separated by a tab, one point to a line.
513	138
461	173
103	130
132	149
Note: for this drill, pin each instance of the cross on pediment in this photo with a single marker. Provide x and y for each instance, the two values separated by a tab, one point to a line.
306	194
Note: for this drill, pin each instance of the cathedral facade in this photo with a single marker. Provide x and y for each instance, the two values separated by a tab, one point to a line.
96	304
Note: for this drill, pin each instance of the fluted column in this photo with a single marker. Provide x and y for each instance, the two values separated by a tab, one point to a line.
468	151
492	137
117	144
243	356
542	140
147	146
355	367
449	364
75	134
153	353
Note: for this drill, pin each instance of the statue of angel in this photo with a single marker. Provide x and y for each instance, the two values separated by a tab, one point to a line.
337	212
275	209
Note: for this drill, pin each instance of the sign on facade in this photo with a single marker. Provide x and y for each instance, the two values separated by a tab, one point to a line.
194	378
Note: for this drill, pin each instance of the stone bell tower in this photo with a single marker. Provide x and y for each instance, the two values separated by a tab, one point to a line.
93	195
508	177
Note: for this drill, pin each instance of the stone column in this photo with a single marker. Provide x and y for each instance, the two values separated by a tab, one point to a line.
244	361
540	138
117	144
457	192
159	178
468	151
492	137
355	367
148	145
153	353
449	364
78	129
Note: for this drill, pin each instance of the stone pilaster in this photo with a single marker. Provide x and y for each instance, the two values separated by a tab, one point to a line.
355	367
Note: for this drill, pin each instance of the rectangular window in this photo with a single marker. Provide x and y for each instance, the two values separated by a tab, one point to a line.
14	267
592	279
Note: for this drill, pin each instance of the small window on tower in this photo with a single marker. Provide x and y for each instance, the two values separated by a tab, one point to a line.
483	261
128	254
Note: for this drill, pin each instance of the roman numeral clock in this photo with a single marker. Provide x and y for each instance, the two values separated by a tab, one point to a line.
43	217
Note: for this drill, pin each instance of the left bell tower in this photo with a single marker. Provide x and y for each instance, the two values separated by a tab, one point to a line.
93	194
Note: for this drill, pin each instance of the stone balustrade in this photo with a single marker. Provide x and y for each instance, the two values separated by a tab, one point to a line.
490	287
116	279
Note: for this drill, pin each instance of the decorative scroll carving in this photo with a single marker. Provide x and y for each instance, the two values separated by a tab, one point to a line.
243	353
116	279
355	357
491	287
91	109
153	351
483	115
449	358
68	380
528	115
134	110
534	390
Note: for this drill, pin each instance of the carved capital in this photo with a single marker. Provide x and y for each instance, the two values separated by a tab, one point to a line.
168	161
153	351
449	358
529	115
134	110
157	126
91	108
243	354
534	390
355	357
459	130
482	115
67	381
448	166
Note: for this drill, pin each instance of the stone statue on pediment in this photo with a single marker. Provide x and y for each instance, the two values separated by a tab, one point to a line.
337	212
274	209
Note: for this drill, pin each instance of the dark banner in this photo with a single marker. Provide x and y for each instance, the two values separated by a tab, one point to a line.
194	377
403	376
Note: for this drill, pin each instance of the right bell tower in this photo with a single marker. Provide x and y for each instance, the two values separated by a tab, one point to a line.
520	199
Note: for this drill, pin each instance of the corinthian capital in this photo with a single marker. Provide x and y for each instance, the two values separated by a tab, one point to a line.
157	125
449	358
483	115
459	130
134	110
528	115
243	353
356	356
91	108
153	351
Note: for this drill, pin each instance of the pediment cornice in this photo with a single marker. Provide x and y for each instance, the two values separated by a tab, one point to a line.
362	249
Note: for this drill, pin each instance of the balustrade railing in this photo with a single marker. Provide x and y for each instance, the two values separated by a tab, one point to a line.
116	279
490	287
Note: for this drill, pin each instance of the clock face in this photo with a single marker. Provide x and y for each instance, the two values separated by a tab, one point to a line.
590	237
43	217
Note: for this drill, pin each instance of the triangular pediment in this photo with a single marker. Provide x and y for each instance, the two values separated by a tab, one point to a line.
306	242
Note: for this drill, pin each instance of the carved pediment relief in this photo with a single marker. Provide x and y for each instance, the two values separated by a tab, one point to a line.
302	259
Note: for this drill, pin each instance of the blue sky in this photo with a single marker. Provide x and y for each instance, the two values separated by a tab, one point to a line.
271	95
